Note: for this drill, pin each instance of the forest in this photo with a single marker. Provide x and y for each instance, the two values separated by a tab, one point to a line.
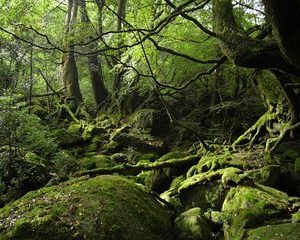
149	120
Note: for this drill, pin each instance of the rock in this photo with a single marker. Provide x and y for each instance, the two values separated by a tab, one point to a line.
284	231
250	207
126	140
97	161
101	208
110	147
296	217
191	225
90	131
160	180
120	157
208	195
68	139
150	121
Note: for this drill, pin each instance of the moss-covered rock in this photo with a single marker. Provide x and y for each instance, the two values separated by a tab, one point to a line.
105	207
191	225
150	121
159	180
284	231
250	207
207	195
96	161
296	217
141	143
92	130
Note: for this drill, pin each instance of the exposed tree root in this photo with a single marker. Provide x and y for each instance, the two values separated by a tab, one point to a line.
276	129
128	169
253	133
284	132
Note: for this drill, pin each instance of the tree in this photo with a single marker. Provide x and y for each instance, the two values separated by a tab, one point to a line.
69	71
263	52
94	65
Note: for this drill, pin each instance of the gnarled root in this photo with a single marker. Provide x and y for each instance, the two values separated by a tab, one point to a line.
252	134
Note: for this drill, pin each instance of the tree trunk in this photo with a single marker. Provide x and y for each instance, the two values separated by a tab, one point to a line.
277	123
69	71
95	67
120	73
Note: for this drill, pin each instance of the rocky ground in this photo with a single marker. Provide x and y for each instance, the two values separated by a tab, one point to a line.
169	188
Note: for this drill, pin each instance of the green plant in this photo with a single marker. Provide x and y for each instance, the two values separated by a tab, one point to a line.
23	132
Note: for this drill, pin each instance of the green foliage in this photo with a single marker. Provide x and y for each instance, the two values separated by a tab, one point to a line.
18	176
65	163
21	131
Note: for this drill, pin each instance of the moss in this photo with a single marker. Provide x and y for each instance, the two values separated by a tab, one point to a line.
173	155
285	231
75	128
160	180
215	161
231	175
268	175
110	147
291	154
296	217
118	131
209	195
297	164
149	157
90	131
249	207
106	207
97	161
227	175
191	225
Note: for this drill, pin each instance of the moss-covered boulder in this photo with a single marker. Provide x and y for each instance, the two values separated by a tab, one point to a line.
102	208
159	180
283	231
191	225
250	207
206	195
96	161
150	121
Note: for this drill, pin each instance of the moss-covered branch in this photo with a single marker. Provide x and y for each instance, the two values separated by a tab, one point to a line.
128	169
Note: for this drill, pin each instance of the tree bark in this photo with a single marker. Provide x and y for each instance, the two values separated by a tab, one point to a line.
240	48
95	66
69	71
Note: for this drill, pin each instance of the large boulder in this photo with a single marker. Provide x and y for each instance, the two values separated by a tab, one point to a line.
101	208
248	207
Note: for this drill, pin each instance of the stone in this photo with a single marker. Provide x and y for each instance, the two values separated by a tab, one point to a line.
100	208
191	225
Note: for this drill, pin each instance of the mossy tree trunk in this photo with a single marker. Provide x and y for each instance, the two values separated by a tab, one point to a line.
120	23
265	53
69	71
95	66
